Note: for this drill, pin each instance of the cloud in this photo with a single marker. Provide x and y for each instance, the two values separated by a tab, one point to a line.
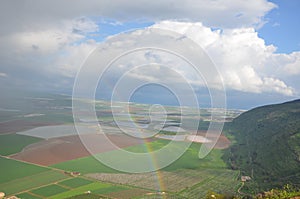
276	24
243	59
246	63
47	58
41	15
68	63
291	63
47	41
51	39
277	85
83	25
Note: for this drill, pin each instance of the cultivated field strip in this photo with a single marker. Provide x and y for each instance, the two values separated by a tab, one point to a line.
29	182
224	181
128	194
183	179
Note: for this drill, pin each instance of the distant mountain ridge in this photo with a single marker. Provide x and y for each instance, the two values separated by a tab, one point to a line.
267	145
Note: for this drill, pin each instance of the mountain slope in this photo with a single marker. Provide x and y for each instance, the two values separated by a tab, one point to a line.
267	145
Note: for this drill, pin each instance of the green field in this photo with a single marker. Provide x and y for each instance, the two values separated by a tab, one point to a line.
189	160
11	170
16	176
85	196
49	190
31	181
84	165
198	175
80	185
27	196
94	188
13	143
220	181
110	189
75	182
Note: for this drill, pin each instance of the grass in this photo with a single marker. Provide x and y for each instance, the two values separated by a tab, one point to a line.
31	181
84	165
75	182
85	196
12	170
49	190
13	143
190	160
17	176
96	187
27	196
79	187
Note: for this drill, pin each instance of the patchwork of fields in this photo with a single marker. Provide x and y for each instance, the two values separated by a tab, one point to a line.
187	177
18	176
32	181
37	163
183	180
77	186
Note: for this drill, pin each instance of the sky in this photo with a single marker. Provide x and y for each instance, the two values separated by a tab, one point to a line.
254	45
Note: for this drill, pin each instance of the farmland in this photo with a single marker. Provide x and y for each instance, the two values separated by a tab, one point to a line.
28	196
181	180
95	188
49	190
189	160
14	180
13	143
61	149
75	182
31	181
84	165
189	174
45	152
78	186
225	181
10	170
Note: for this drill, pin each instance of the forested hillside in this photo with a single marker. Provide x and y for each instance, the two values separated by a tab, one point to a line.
267	145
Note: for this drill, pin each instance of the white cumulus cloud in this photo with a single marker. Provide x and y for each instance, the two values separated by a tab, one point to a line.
45	38
245	62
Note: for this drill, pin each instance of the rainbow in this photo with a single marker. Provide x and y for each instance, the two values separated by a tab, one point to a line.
159	177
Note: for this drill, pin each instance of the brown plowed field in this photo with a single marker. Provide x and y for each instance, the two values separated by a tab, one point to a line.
55	150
